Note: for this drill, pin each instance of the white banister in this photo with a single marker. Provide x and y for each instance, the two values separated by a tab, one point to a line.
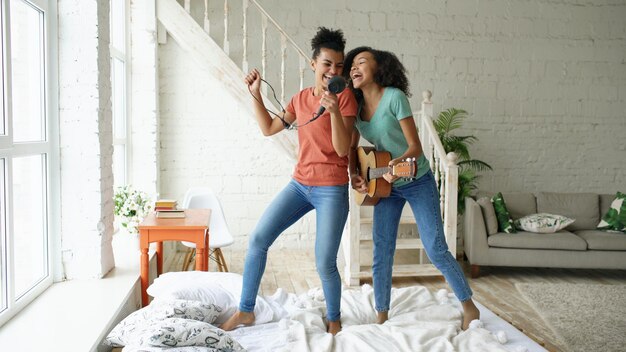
269	27
451	206
302	66
444	167
206	26
244	60
264	52
283	59
226	45
278	28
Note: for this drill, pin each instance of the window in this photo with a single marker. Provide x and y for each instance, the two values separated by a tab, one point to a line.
119	82
28	156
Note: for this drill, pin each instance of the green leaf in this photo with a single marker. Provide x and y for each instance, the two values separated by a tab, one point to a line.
449	120
476	165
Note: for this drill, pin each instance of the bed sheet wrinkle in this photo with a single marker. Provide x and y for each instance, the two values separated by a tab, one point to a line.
418	320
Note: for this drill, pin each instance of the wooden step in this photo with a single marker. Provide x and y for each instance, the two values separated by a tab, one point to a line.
401	243
404	270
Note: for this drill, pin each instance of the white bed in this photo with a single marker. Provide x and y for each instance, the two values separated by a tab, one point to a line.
419	320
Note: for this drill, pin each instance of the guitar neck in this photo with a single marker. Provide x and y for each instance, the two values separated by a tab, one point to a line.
378	172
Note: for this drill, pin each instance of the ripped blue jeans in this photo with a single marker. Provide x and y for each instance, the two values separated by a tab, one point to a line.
423	197
292	203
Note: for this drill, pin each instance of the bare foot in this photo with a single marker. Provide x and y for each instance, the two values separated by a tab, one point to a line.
334	327
382	317
470	312
239	318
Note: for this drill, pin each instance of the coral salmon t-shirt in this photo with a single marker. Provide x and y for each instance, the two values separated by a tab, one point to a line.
318	163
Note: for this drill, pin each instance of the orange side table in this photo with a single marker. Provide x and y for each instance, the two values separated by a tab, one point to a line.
194	227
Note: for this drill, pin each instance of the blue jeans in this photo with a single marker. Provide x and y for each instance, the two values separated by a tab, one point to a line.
423	197
293	202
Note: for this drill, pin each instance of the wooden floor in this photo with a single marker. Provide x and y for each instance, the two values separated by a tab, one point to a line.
294	271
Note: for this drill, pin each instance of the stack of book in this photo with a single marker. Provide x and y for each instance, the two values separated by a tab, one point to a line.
167	208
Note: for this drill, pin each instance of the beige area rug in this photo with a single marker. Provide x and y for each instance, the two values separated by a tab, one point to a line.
585	317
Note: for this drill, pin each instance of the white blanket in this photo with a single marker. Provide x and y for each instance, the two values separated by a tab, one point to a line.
418	321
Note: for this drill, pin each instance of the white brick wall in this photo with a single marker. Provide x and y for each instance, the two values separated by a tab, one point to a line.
544	82
86	138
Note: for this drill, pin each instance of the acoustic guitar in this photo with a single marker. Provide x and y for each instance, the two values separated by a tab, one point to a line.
372	166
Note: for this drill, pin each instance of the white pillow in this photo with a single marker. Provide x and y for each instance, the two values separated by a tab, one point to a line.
169	281
221	289
137	322
543	223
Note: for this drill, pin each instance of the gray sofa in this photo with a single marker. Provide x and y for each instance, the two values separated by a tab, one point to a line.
580	245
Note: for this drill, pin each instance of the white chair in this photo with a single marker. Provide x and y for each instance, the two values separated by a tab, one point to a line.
219	235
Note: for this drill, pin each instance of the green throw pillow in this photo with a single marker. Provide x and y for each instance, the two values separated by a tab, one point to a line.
505	222
615	218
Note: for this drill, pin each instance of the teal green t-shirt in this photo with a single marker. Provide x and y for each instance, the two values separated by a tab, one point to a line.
384	131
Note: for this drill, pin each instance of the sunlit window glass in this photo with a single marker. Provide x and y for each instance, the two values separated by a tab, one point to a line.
3	238
29	226
27	62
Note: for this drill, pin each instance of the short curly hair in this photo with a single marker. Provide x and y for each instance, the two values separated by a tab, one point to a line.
328	39
390	71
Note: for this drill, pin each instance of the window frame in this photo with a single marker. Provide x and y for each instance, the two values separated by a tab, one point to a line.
49	147
115	53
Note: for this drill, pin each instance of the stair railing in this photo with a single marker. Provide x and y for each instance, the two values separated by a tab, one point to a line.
444	168
269	27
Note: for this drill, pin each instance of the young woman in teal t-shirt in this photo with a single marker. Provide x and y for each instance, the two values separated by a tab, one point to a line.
384	118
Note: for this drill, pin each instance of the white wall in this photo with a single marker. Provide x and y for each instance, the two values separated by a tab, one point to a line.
85	122
544	82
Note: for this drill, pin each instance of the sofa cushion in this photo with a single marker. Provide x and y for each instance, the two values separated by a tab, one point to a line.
489	214
518	204
615	217
584	207
603	240
543	223
559	240
505	223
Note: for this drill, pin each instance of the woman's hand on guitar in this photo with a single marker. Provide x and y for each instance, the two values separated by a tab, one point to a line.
389	177
358	183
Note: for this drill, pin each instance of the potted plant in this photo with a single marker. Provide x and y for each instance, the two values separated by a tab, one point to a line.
448	121
131	206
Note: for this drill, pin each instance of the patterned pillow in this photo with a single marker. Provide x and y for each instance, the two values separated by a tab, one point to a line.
543	223
615	217
505	223
137	322
176	332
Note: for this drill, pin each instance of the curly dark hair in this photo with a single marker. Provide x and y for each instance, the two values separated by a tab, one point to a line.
327	39
390	71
